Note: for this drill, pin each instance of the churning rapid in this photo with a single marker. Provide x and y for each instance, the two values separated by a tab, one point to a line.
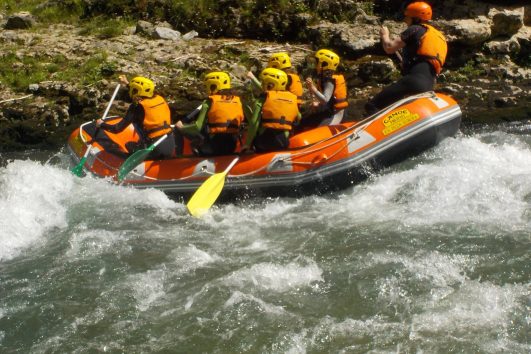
431	255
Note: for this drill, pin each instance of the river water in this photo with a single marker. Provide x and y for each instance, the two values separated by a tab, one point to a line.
428	256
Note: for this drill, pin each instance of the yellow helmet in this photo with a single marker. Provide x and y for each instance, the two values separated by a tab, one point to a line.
216	80
141	86
326	60
274	79
279	61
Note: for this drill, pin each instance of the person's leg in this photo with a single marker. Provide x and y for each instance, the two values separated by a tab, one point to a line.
271	140
224	144
335	119
219	144
179	142
314	120
408	85
165	150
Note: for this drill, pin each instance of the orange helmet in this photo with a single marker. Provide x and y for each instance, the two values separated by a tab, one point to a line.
420	10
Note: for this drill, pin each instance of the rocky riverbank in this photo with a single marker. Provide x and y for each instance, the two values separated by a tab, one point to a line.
55	76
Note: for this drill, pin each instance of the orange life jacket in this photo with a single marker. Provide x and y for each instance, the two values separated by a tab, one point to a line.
157	116
433	47
280	110
225	114
340	92
296	87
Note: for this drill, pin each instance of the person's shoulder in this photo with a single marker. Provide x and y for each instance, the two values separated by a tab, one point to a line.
156	97
412	30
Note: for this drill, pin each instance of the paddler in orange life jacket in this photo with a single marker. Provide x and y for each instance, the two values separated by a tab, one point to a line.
423	51
330	93
274	114
282	61
150	114
219	118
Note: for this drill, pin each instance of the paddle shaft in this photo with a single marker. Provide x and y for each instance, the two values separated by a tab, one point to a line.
78	168
161	139
231	165
104	115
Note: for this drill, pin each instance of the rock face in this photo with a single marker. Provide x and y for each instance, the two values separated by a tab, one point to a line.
488	68
21	20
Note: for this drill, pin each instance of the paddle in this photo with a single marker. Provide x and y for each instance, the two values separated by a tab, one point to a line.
205	196
140	155
137	158
78	169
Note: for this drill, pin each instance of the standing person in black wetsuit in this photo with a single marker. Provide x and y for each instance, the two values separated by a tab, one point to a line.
423	50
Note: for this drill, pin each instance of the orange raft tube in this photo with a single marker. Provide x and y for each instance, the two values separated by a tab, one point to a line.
322	159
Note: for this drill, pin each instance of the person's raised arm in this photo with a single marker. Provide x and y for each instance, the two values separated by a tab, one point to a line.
254	80
389	45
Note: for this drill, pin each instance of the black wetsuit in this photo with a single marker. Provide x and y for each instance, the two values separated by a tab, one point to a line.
419	75
135	115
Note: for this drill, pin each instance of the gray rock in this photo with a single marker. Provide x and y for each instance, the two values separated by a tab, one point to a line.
510	46
378	70
505	102
20	20
145	28
468	32
506	22
355	40
190	35
33	88
167	33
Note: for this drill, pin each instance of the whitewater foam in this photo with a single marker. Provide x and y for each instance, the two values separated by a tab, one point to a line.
32	201
276	277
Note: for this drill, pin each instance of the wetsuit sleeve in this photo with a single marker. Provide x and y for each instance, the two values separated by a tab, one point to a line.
256	82
190	116
328	91
254	122
412	35
135	114
195	127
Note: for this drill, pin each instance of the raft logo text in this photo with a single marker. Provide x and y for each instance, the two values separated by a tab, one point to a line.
397	120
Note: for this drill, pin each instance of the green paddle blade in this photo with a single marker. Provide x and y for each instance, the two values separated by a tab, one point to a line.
205	196
133	161
78	169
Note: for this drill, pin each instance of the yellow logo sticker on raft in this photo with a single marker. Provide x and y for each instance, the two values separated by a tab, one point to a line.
397	120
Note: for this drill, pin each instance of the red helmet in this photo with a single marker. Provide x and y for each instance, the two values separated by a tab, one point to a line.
420	10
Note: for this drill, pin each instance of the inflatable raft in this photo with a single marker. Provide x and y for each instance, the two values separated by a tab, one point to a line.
319	160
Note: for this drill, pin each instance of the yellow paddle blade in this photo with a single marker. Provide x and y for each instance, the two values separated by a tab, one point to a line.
205	196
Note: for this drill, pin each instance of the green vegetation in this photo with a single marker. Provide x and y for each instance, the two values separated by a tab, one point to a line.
65	11
470	70
12	6
19	72
266	19
367	7
104	28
